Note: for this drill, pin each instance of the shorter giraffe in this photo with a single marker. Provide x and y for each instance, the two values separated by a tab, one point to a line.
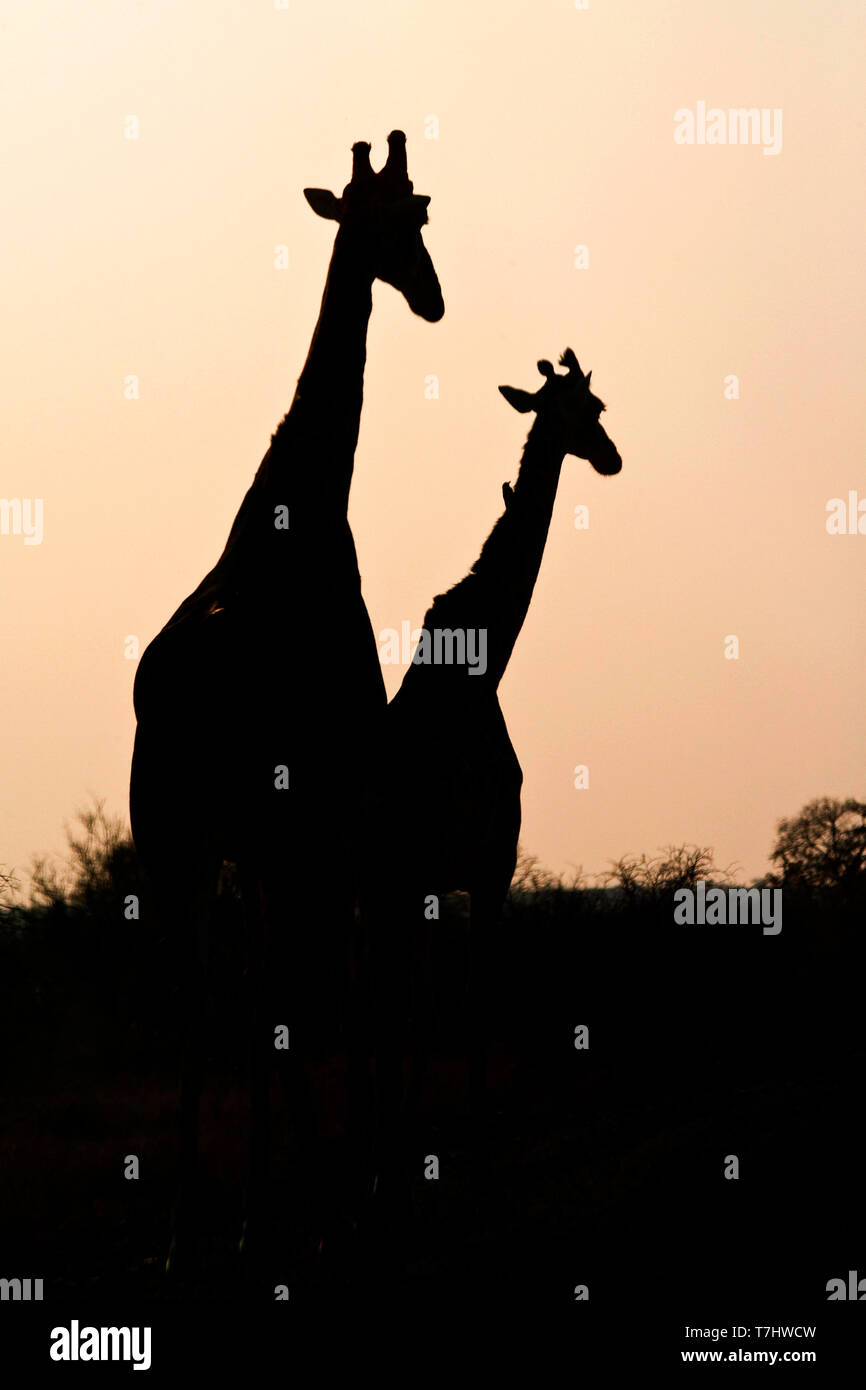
453	825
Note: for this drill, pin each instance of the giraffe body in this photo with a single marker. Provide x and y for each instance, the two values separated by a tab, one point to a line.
258	702
456	826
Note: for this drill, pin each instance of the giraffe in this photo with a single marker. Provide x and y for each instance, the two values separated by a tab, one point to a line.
251	738
454	826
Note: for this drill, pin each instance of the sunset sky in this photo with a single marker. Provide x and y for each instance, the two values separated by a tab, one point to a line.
155	257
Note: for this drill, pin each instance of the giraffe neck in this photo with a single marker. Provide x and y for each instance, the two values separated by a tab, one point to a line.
495	595
511	556
308	467
325	414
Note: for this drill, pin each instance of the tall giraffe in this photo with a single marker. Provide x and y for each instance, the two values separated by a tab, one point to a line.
455	825
251	741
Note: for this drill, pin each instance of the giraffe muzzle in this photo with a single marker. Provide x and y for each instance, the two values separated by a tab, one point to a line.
605	457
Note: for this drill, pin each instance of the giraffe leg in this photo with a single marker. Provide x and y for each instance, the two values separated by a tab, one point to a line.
404	1017
284	1036
192	926
484	917
391	1154
422	1017
359	1048
255	1196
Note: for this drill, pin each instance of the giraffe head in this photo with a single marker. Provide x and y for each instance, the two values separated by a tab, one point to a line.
568	406
383	217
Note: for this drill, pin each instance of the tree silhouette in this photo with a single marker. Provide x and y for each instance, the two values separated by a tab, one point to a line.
823	847
100	868
675	866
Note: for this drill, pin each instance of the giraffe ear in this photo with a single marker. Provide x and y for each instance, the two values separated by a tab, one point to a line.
323	202
520	400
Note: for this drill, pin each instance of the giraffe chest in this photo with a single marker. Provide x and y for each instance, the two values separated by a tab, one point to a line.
461	799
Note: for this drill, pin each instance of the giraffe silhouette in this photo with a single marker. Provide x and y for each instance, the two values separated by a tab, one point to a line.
258	702
454	824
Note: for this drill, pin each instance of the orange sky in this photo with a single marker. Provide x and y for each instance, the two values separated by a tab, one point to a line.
155	257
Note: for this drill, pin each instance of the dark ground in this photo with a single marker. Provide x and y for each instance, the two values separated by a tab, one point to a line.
603	1167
